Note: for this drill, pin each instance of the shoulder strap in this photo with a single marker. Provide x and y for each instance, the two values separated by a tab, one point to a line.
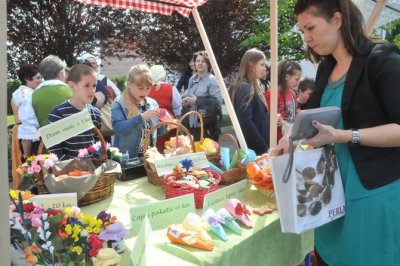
104	81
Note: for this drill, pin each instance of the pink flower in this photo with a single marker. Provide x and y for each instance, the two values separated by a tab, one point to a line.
35	218
39	157
33	163
82	153
48	163
97	146
37	168
31	170
108	145
91	149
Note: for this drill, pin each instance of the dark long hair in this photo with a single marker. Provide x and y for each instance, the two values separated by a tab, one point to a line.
352	22
286	68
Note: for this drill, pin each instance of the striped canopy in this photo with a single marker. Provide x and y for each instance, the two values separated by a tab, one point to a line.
164	7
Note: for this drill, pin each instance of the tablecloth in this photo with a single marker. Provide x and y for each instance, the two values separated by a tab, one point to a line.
262	245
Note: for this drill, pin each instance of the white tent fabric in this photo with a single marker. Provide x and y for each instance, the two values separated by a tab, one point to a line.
390	12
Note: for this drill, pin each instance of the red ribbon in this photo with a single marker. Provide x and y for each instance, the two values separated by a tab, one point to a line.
241	209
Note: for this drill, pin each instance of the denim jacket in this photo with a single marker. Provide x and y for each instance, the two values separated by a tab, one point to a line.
128	132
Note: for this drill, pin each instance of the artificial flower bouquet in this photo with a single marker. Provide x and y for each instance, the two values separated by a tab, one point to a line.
186	179
60	236
31	170
94	151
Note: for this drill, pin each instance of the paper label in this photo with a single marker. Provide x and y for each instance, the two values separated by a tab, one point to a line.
218	198
59	200
165	166
163	213
66	128
140	249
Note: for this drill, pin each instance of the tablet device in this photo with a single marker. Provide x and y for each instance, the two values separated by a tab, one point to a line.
303	128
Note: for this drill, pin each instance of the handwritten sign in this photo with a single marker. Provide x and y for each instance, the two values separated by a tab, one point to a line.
59	200
162	213
140	249
165	166
218	198
66	128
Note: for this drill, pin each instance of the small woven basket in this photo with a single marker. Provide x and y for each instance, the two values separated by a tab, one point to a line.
235	174
104	186
152	175
173	189
200	117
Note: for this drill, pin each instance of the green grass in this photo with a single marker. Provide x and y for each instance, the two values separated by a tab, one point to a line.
225	121
10	120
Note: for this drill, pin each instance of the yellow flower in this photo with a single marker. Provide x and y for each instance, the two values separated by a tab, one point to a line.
14	194
77	249
31	158
68	229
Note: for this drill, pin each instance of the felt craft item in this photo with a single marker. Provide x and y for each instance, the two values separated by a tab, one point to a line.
263	210
225	157
240	211
194	223
176	234
215	221
215	168
230	222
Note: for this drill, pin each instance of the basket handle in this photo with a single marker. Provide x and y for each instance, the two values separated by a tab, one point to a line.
201	123
235	143
104	156
177	125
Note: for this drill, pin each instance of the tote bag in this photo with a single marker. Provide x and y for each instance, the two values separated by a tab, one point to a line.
313	194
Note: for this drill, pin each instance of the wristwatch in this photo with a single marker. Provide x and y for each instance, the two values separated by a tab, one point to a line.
355	138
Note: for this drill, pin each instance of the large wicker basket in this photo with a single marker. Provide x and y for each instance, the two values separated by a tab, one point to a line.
200	118
152	175
235	174
173	189
104	186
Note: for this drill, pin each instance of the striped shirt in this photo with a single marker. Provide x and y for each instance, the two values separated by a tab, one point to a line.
69	148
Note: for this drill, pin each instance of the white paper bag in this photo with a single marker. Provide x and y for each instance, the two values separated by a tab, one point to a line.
313	195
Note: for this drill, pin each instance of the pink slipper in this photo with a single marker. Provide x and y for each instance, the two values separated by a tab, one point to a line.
239	210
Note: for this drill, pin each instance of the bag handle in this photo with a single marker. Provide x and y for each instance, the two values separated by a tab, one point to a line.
177	125
289	166
235	143
201	123
104	156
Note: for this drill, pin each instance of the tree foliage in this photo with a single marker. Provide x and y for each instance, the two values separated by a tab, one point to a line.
290	44
173	39
393	32
65	28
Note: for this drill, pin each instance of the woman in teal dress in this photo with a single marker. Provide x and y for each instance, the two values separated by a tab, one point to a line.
362	79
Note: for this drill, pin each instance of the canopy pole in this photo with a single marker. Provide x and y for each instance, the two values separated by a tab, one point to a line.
224	91
273	108
4	223
380	4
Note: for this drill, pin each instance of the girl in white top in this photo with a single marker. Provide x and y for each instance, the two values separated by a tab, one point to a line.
21	103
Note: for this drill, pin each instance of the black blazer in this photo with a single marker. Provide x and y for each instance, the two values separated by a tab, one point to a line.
253	119
371	98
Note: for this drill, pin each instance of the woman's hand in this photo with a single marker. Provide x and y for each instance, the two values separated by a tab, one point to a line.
326	135
281	148
150	114
188	101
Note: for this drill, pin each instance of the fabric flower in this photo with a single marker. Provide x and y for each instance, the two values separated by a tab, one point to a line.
104	216
91	149
241	209
82	153
97	146
95	243
31	170
28	207
37	169
216	220
114	232
186	164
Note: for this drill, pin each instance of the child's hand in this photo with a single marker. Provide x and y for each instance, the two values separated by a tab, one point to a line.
150	114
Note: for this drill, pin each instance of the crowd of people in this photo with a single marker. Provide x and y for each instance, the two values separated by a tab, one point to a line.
354	74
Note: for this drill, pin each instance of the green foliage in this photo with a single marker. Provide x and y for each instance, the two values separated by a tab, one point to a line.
393	32
120	82
290	44
11	87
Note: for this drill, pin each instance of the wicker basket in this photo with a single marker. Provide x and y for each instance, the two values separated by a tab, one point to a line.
235	174
152	175
173	189
201	129
104	186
